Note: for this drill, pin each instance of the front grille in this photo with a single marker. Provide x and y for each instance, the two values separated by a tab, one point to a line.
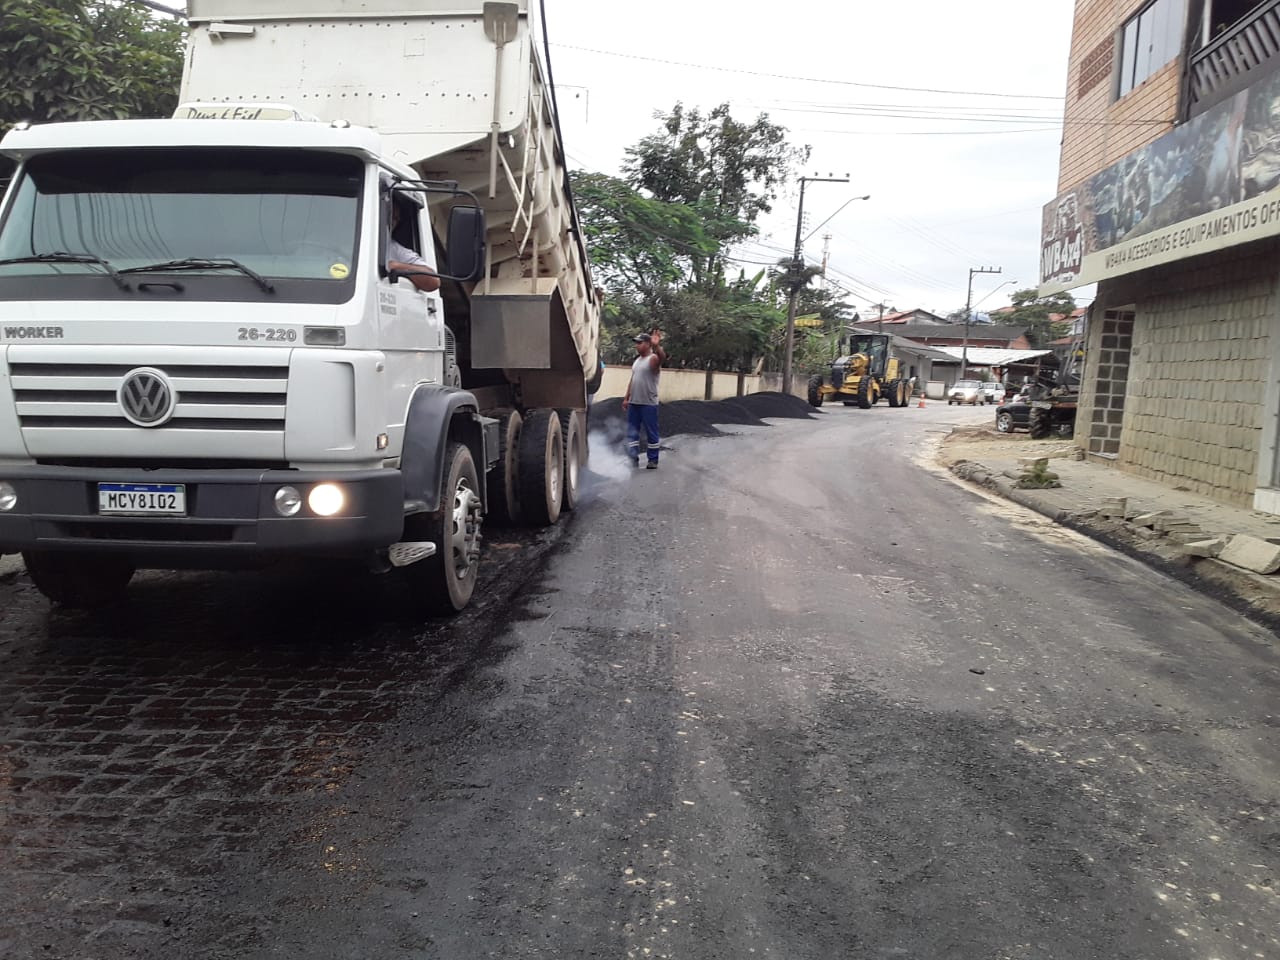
241	397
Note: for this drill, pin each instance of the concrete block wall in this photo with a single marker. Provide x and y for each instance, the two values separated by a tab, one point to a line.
1198	371
1145	113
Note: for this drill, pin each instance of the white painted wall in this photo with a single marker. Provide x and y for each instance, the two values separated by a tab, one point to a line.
679	384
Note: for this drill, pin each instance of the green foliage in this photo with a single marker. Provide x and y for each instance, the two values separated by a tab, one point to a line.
729	328
727	171
659	239
817	347
828	304
76	60
1038	477
1032	312
639	246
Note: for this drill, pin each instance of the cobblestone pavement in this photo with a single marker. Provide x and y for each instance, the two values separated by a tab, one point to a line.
142	755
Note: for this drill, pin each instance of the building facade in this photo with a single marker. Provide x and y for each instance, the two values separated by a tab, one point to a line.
1169	200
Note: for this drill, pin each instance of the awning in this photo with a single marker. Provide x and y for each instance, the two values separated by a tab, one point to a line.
993	356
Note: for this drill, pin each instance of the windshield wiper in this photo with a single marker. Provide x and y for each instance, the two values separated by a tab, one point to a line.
205	263
59	256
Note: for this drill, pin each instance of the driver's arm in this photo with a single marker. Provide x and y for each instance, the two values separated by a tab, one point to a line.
427	283
406	261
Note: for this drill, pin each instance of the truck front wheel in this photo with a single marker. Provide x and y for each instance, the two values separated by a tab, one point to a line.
78	581
443	584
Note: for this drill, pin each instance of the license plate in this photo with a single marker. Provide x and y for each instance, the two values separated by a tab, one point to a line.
142	499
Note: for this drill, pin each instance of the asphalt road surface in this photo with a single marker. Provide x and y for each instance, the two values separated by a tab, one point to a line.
794	695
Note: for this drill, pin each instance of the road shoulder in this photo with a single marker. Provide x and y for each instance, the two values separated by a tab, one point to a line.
1149	522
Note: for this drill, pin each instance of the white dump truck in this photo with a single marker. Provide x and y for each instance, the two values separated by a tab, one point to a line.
337	307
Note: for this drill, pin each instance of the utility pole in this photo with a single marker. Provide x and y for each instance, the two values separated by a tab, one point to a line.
968	315
797	275
826	257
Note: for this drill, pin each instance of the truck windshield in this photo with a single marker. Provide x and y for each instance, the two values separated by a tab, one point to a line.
284	214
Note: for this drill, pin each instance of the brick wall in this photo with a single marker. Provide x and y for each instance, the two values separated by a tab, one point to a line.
1097	129
1197	376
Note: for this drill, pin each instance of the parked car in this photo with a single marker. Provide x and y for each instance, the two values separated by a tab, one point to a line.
966	391
1014	415
994	391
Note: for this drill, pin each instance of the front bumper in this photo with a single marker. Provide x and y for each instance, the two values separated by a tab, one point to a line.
231	517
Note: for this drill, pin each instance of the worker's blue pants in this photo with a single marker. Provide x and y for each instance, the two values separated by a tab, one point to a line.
642	415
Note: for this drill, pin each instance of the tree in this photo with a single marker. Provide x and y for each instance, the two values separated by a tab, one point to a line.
78	60
639	246
727	171
1033	313
660	237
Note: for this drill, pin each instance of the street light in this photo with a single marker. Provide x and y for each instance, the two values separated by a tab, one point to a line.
994	292
968	315
797	267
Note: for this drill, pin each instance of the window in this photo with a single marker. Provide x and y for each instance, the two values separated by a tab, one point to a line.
287	214
1150	39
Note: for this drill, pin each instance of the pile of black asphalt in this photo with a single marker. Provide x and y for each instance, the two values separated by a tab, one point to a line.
703	418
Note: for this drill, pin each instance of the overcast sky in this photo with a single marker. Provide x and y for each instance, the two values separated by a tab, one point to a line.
948	192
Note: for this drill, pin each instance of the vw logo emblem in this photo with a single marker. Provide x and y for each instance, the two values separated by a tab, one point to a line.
146	398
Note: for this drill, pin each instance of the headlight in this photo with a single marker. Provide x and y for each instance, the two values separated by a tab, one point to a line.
326	499
8	497
288	501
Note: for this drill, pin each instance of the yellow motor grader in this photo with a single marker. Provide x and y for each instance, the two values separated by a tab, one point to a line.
865	375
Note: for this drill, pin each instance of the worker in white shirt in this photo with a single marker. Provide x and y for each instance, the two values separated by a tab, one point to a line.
408	262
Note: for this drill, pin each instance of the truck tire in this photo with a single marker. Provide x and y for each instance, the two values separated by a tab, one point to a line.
894	393
815	392
504	479
541	468
77	581
443	584
575	443
866	393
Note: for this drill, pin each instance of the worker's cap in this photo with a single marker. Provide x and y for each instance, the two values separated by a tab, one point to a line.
642	338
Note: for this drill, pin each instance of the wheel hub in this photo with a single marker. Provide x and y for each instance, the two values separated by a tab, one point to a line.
464	538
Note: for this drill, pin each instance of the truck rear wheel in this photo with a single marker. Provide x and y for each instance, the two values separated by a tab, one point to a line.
78	581
504	479
442	584
541	468
575	442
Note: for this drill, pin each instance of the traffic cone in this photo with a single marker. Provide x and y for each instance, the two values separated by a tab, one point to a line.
921	404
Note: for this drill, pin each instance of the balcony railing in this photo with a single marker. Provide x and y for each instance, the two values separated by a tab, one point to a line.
1235	59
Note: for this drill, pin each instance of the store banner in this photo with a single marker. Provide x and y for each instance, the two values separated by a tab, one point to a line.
1209	184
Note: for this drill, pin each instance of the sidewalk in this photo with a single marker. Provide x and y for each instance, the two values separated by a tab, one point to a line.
1117	508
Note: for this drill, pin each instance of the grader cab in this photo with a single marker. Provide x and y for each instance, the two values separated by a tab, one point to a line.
867	373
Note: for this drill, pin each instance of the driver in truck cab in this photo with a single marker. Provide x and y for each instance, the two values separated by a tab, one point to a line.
407	261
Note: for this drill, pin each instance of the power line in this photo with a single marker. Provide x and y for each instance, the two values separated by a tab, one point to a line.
928	133
785	76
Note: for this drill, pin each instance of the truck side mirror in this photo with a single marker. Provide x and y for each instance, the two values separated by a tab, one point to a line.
466	243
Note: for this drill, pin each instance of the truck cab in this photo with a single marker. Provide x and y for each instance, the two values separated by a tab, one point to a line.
209	357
